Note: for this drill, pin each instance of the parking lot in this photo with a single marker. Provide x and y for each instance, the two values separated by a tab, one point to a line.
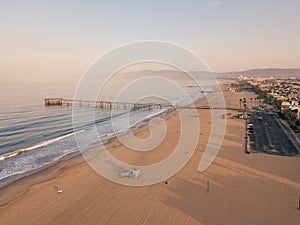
268	135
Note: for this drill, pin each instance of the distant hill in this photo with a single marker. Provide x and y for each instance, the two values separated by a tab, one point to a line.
270	72
274	72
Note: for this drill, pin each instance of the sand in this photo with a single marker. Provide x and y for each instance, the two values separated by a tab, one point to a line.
243	188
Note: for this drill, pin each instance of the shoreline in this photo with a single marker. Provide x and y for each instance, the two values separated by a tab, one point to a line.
66	161
240	186
136	126
144	121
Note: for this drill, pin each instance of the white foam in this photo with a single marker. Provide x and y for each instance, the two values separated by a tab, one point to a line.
39	145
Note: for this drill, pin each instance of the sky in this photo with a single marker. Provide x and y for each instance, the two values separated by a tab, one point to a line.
58	39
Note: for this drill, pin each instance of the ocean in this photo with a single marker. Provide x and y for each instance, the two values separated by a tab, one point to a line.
34	136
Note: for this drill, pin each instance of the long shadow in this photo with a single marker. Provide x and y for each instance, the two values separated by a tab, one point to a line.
234	197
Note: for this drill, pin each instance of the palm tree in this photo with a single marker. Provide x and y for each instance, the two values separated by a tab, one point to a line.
251	102
245	103
240	103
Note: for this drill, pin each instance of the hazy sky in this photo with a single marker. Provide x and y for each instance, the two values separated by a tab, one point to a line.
51	40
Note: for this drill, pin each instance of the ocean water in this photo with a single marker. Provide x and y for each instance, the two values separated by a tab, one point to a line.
34	136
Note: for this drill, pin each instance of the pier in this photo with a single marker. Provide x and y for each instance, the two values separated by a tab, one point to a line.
105	104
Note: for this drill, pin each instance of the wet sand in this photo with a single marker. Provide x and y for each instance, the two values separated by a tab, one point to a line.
243	188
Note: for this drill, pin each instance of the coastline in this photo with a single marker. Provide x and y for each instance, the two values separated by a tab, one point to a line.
132	128
6	181
195	206
51	170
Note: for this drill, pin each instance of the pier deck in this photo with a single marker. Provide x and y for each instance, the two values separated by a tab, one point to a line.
105	104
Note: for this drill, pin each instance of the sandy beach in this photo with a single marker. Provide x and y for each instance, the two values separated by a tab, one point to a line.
243	188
